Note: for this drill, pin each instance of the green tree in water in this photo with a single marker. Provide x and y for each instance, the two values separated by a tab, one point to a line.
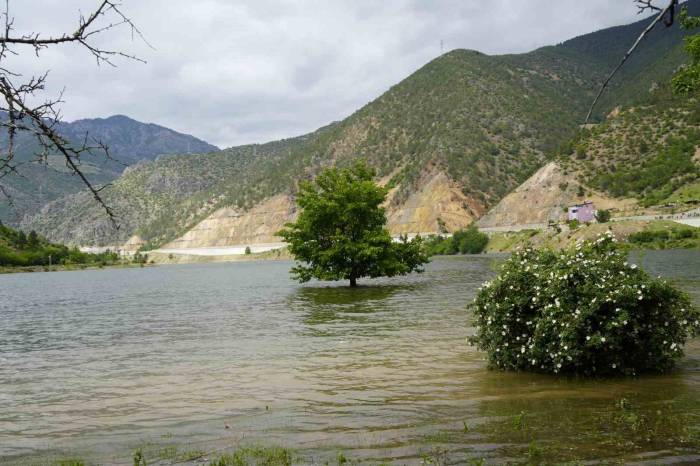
340	233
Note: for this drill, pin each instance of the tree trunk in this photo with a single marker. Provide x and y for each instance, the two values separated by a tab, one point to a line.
353	281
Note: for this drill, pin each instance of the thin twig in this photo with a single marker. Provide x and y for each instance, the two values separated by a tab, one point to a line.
669	8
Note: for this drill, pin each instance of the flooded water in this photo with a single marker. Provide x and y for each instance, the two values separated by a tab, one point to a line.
95	364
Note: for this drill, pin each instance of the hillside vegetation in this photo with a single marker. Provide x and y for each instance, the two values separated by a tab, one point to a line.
648	152
129	141
635	234
486	122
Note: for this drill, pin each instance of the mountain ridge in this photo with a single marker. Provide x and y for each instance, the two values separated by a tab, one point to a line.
129	141
485	122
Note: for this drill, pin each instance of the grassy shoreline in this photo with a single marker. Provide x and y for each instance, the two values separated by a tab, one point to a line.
68	267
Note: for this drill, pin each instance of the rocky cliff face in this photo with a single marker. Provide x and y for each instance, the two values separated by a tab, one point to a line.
233	227
439	202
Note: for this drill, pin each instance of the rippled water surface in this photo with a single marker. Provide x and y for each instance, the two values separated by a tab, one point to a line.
97	363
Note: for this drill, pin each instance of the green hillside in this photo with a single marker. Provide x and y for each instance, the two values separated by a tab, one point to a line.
486	121
650	152
129	142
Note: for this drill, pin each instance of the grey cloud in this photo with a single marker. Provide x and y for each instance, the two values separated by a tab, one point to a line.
256	70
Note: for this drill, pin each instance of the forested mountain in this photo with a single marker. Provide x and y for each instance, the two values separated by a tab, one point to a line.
128	140
451	140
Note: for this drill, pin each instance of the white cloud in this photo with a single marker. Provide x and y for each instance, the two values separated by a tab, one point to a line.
256	70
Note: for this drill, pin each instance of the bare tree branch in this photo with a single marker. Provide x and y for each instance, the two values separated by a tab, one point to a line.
643	5
41	121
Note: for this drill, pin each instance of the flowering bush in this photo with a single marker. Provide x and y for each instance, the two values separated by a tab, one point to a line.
582	311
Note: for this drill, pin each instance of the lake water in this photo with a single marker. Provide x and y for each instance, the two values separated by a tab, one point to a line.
98	363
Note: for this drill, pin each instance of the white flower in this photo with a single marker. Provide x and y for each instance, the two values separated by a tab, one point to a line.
602	339
614	365
588	338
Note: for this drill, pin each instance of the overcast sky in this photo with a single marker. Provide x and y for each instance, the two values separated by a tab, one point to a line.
234	72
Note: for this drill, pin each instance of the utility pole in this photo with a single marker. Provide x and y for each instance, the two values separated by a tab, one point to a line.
442	47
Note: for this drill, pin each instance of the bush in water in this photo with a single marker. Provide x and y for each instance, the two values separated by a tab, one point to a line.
581	311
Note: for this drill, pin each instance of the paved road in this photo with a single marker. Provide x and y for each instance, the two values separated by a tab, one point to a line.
239	249
691	217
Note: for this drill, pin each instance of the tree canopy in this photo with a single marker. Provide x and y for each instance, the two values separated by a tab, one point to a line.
687	79
340	233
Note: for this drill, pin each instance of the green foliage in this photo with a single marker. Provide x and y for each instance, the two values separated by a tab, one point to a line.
645	152
258	456
468	241
574	224
666	236
20	250
68	462
139	458
32	239
340	232
247	250
602	216
687	79
581	311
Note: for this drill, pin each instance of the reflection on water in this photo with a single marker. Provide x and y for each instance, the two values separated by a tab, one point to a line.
97	363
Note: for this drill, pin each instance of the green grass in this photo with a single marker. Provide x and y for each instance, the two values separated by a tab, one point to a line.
688	194
666	235
255	455
507	241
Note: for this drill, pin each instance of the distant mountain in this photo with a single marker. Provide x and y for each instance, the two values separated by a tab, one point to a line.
451	141
129	142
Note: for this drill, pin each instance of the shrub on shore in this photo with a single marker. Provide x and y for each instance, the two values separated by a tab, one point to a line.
467	241
581	311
